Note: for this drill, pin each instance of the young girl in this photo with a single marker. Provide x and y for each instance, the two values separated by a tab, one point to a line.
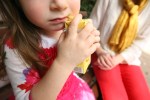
38	56
124	27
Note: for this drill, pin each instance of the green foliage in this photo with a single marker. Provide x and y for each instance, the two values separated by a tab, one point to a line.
87	5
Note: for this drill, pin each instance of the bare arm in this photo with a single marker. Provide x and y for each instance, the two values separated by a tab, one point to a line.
51	84
74	47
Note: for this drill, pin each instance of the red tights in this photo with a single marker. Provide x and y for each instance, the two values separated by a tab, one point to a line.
124	82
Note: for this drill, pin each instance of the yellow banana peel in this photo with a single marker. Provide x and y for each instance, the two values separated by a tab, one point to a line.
82	67
81	24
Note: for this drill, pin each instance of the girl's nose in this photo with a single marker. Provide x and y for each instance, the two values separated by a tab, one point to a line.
59	5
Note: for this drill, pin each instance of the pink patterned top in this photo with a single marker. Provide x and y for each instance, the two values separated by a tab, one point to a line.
23	77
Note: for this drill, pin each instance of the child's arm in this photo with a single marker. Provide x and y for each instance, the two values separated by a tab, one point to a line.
73	48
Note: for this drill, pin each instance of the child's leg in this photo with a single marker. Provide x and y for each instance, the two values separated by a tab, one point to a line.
134	82
110	84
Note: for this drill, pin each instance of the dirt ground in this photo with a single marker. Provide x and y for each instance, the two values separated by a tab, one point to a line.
145	58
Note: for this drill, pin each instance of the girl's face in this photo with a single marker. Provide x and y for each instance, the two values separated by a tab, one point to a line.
49	15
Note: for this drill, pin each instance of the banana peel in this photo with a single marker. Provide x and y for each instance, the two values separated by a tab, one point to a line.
81	24
82	67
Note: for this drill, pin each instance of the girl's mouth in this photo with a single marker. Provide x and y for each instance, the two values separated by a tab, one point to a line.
58	20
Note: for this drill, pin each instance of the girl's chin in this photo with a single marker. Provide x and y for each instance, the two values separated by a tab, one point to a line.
58	29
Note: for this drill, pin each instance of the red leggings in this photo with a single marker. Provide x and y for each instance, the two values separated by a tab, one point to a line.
124	82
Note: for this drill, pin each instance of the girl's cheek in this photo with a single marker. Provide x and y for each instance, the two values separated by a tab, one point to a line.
75	6
76	12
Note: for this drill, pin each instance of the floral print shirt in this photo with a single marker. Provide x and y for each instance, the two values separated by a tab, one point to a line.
23	77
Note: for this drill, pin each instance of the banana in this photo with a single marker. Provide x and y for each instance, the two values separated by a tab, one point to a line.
82	67
81	24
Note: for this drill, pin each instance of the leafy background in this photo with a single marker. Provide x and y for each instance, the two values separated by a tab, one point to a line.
87	5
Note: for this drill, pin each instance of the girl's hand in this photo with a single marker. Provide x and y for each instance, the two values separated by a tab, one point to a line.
105	61
118	59
74	47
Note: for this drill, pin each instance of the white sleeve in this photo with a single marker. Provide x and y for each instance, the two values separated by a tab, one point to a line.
140	44
15	69
98	12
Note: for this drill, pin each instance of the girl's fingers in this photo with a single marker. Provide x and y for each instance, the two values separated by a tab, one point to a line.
86	31
103	68
62	37
97	39
108	60
104	63
92	39
95	32
72	30
111	57
93	48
